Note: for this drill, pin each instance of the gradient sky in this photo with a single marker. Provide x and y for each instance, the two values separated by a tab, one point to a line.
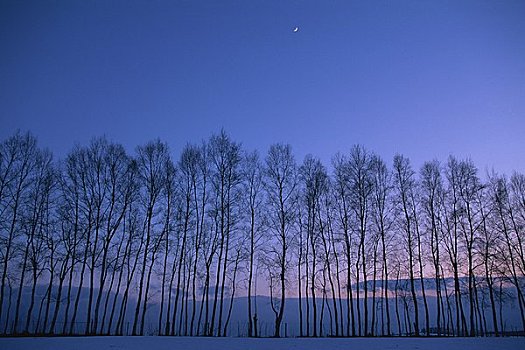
423	78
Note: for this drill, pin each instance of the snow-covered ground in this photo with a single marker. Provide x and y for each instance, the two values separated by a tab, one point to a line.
182	343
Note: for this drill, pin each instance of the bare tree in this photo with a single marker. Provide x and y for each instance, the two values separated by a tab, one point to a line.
382	209
170	195
517	217
404	183
452	237
343	200
512	240
200	191
153	159
488	247
32	215
252	187
330	255
225	157
17	162
359	177
280	185
432	188
469	187
313	185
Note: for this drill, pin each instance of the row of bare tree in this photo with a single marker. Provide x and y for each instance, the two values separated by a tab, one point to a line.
106	234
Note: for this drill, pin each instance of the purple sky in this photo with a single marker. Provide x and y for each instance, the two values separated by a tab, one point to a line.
422	78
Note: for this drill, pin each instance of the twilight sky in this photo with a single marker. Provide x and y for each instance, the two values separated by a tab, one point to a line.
423	78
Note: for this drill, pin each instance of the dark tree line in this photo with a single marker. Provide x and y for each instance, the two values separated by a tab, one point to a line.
364	248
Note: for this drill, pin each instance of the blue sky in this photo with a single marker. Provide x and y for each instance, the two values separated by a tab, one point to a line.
423	78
